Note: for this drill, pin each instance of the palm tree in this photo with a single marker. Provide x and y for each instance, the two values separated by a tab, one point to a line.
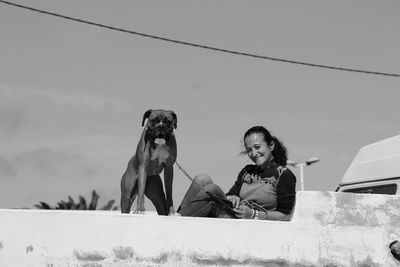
79	205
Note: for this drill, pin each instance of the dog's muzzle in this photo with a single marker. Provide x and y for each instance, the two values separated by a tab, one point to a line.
161	133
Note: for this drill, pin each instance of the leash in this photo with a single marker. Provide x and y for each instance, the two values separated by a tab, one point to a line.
184	172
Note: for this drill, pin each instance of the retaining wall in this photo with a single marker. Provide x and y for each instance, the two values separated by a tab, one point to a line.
327	229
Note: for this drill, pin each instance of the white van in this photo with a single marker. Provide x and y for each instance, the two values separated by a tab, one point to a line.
375	169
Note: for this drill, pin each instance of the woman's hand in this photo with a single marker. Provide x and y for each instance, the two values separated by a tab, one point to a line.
244	212
235	200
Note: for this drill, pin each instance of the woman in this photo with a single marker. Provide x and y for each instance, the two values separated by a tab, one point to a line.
265	190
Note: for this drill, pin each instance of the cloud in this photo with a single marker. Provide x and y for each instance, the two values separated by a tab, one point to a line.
29	97
7	169
52	173
44	114
45	158
10	120
47	163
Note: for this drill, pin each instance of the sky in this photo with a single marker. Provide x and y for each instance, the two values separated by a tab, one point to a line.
72	96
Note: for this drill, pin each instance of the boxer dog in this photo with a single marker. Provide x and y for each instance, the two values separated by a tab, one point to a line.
155	152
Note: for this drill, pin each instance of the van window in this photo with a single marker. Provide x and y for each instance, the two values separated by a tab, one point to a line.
387	189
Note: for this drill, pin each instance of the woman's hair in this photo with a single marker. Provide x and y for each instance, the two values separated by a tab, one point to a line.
279	152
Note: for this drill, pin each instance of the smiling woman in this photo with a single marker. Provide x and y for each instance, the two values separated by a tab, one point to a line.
265	190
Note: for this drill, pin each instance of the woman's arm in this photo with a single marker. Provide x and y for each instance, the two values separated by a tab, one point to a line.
244	212
273	216
286	194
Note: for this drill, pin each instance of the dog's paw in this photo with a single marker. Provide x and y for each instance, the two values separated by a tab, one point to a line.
172	211
139	211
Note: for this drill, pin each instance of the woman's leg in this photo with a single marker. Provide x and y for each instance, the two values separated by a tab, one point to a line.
197	185
195	202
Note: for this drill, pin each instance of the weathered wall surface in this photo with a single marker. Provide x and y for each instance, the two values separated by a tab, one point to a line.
327	229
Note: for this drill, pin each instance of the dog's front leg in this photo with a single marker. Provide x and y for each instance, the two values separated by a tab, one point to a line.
144	158
128	182
168	180
141	187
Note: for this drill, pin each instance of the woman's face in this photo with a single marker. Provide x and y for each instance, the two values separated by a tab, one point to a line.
257	149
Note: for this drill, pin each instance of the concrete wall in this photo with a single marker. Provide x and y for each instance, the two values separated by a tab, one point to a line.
327	229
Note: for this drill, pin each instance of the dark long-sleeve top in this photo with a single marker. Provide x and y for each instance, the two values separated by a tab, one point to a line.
278	182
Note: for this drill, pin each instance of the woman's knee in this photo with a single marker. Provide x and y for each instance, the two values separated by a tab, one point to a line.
214	189
203	179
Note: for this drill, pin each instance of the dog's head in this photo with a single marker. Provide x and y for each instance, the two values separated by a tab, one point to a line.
160	123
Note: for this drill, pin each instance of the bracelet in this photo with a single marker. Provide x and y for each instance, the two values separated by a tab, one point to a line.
253	214
256	215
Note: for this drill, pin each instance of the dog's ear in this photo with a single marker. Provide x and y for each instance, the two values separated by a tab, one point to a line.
146	115
175	119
